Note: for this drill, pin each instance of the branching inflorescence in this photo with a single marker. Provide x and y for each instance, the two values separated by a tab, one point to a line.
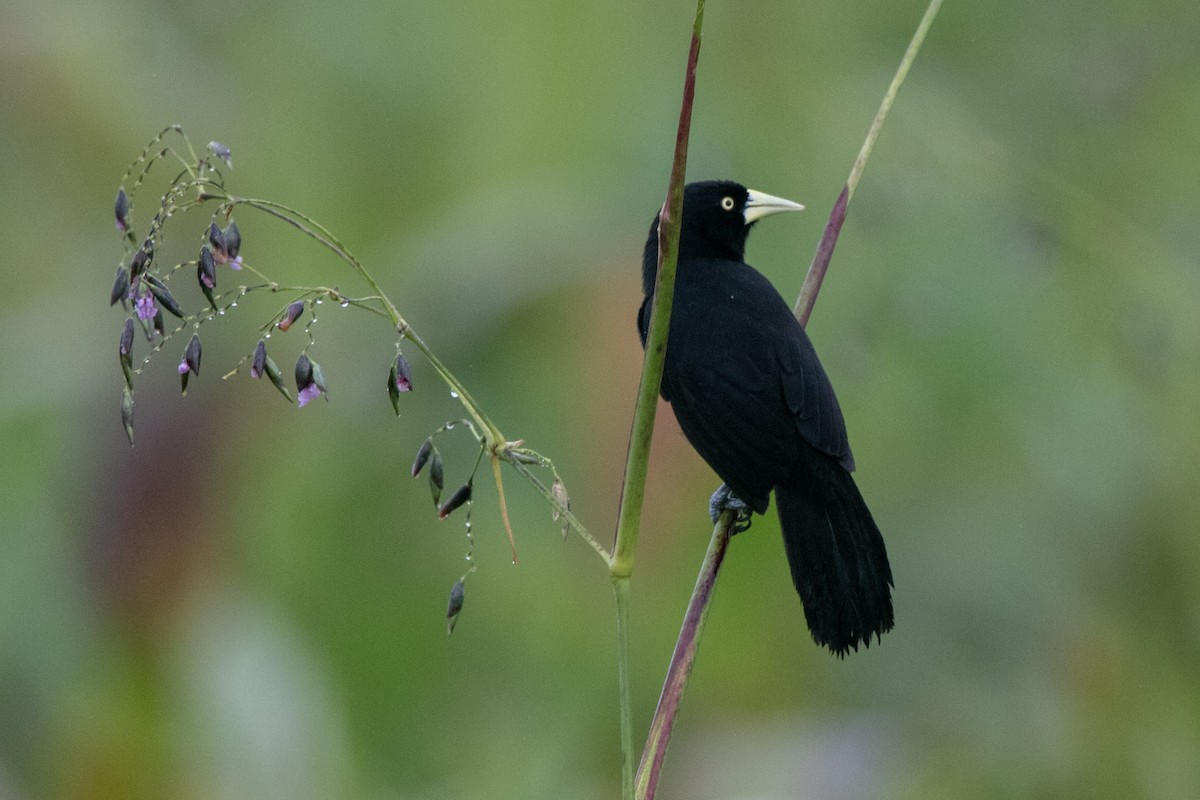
145	289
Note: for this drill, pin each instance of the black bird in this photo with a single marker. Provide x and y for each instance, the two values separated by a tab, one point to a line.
752	398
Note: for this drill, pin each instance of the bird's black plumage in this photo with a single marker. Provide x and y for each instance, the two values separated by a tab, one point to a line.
753	399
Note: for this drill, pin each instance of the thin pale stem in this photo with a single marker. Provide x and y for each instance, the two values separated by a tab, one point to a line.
562	510
820	262
624	684
495	459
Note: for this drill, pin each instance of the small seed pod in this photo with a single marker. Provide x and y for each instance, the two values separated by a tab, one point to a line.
191	356
457	595
125	351
399	380
437	477
163	295
310	381
206	268
559	492
190	363
276	377
206	275
319	378
216	240
290	315
259	362
304	372
141	259
422	458
127	413
461	495
233	241
403	374
121	209
120	288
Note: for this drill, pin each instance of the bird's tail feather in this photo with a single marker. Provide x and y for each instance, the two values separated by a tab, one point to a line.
838	560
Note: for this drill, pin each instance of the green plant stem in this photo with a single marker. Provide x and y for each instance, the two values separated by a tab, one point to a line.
682	660
562	510
820	262
624	684
633	488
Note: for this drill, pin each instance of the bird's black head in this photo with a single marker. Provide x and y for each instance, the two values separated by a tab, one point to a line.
717	216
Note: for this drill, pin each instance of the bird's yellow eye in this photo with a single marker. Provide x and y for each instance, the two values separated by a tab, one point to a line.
727	203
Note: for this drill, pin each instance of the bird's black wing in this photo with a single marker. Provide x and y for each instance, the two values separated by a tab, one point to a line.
722	378
810	396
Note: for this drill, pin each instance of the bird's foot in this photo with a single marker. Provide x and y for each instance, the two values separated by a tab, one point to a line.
723	499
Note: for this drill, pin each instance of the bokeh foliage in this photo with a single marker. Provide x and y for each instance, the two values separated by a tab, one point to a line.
249	603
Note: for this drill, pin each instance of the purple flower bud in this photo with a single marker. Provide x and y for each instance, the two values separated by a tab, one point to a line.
310	392
259	362
191	356
120	287
310	381
399	380
422	456
122	210
222	152
182	369
217	240
233	241
461	495
403	374
457	594
304	377
206	269
290	315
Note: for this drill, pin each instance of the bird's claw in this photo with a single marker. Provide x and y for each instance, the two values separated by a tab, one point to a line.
723	499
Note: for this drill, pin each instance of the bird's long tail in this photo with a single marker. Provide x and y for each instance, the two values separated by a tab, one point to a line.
838	560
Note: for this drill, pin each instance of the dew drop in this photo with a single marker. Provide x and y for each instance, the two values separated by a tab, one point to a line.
320	300
221	313
345	304
233	304
454	394
266	336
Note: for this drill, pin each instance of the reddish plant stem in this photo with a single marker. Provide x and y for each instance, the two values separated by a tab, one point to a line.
682	660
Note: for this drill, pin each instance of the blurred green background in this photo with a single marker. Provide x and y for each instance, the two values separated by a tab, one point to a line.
249	603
